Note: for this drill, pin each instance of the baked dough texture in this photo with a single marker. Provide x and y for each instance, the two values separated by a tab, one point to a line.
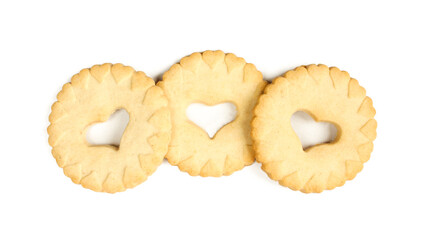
92	96
329	95
211	78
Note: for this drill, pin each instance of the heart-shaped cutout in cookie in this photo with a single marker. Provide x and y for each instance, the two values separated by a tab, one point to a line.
211	118
109	132
310	132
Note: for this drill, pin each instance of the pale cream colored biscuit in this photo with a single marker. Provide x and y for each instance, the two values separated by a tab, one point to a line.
211	78
329	95
92	96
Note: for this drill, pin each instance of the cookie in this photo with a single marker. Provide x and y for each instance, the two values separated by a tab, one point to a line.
211	78
329	95
91	97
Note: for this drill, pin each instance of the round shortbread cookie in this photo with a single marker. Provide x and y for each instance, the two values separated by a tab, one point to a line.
328	95
92	96
211	78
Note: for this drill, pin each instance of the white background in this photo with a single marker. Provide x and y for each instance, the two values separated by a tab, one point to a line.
43	43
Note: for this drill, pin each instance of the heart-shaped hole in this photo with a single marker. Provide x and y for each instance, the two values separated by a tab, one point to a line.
310	132
109	132
211	118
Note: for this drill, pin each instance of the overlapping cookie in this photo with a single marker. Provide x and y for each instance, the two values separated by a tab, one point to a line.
329	95
92	96
211	78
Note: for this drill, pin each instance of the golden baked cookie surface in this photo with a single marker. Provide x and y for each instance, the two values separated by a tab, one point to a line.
329	95
92	96
211	78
